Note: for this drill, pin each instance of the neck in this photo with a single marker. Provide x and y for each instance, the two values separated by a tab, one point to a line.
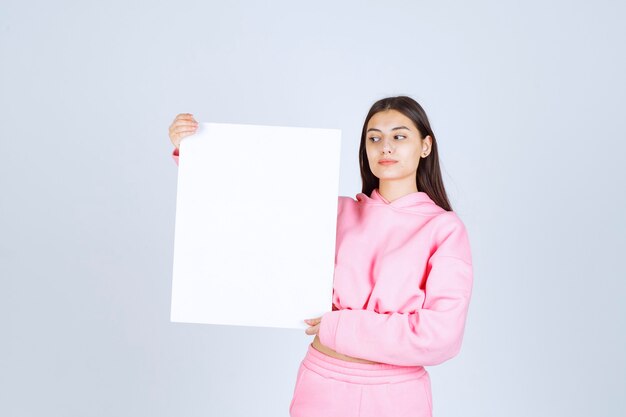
392	190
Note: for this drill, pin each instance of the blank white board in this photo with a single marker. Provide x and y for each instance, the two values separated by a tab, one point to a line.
256	213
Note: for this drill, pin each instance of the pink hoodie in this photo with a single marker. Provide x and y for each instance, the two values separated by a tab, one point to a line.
403	280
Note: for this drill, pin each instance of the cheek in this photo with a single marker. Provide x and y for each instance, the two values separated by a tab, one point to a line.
371	156
414	154
411	159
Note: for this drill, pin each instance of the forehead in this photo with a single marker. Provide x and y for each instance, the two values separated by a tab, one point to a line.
388	119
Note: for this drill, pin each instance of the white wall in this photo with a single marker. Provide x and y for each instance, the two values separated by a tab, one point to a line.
526	99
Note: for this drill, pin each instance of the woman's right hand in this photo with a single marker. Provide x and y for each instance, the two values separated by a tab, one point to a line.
183	125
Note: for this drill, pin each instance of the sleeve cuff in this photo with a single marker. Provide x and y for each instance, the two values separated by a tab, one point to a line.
328	328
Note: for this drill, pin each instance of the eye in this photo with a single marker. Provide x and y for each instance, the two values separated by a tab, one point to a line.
376	138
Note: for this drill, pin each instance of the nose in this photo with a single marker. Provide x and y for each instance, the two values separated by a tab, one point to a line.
387	146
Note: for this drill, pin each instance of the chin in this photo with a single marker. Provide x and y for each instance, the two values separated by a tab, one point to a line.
386	177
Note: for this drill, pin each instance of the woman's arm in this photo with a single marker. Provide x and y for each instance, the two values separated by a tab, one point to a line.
427	336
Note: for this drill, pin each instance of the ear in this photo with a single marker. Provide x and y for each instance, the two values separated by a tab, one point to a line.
427	143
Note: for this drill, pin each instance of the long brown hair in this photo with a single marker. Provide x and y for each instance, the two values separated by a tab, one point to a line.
428	177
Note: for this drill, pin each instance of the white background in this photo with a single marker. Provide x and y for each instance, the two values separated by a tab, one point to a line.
526	99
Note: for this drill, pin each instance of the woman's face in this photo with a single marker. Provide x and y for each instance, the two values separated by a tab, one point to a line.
392	135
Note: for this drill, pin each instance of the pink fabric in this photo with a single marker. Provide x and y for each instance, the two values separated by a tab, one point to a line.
403	280
328	387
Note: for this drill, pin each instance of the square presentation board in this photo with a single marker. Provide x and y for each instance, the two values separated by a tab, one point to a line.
255	228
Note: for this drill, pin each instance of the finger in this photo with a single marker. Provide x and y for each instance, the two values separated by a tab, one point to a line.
184	129
313	330
181	127
184	116
184	119
314	323
180	118
185	122
178	130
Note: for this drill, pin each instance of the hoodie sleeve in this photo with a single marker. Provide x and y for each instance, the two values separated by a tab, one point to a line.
175	156
427	336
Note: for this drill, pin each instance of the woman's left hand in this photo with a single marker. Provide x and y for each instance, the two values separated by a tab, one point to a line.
315	325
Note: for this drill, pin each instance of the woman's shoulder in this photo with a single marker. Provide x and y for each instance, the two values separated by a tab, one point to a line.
345	199
448	222
451	236
450	218
343	202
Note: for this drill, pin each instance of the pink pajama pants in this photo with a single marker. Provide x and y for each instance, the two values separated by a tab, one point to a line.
331	387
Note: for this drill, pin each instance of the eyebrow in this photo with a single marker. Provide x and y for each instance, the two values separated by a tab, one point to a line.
395	128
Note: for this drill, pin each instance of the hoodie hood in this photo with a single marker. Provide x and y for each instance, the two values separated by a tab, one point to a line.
418	201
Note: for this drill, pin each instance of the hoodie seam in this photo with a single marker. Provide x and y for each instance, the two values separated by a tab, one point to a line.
406	210
451	256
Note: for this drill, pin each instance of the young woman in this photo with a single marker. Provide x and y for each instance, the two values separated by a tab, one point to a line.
403	277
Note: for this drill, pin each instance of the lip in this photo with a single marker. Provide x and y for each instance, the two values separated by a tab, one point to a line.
387	161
